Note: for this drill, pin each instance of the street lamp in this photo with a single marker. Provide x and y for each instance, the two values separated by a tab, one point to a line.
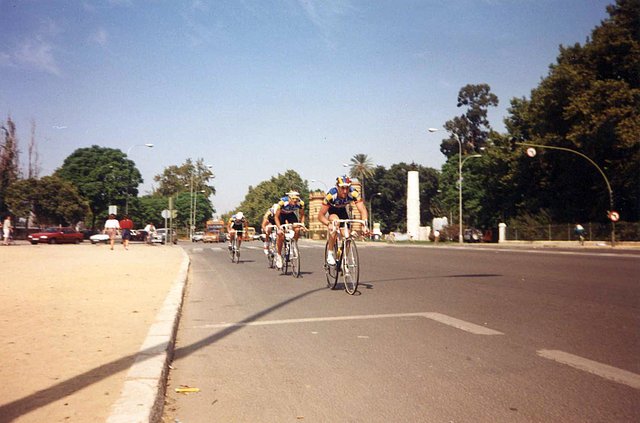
126	204
460	239
193	192
325	185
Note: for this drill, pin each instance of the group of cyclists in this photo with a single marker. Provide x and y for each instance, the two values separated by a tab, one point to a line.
290	209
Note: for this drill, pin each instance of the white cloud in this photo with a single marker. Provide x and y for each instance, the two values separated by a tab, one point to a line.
36	53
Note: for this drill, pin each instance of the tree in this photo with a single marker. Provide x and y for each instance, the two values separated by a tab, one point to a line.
186	177
8	162
103	176
472	128
262	196
52	200
590	103
390	207
361	168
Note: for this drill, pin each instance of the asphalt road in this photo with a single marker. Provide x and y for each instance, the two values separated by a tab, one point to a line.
435	335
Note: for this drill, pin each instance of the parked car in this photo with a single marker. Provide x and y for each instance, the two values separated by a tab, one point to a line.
161	236
103	238
56	236
472	235
197	236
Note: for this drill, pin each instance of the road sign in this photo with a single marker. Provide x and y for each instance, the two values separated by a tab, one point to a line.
614	216
166	213
531	152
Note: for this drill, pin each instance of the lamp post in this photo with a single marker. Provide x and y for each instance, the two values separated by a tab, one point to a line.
126	204
325	185
606	180
371	211
460	162
193	193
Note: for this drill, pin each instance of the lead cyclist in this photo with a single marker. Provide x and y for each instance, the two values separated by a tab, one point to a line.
334	207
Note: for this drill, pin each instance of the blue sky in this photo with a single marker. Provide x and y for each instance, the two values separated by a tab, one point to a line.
256	87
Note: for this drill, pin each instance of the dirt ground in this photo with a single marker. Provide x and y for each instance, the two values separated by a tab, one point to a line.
72	318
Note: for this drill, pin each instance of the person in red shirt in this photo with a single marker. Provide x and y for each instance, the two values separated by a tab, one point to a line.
126	225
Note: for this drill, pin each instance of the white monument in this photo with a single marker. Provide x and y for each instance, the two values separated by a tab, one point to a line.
413	205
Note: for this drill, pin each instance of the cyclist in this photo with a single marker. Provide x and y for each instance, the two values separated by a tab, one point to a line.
237	222
334	207
268	219
286	213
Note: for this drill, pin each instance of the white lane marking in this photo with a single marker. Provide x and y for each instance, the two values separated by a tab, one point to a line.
441	318
603	370
461	324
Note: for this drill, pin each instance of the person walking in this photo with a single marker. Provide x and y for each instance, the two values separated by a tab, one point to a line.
7	228
126	225
111	227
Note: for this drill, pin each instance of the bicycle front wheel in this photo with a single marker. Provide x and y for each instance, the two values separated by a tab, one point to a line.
331	271
286	252
232	251
295	259
350	267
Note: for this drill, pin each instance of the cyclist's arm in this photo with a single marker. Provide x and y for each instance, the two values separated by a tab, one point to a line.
322	214
363	210
302	215
276	217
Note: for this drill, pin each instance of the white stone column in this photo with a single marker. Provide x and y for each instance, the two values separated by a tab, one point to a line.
413	204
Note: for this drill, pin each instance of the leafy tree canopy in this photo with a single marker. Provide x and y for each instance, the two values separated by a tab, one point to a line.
262	196
52	200
103	176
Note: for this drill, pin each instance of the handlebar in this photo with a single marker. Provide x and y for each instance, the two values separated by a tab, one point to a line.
286	226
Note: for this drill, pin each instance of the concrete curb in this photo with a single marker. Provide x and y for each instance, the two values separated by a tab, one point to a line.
142	397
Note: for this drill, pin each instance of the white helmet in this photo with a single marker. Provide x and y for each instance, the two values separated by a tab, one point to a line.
239	215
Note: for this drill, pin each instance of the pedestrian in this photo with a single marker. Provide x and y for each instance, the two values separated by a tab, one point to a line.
126	225
111	228
150	229
7	228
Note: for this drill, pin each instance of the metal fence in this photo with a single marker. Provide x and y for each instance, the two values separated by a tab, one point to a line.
625	231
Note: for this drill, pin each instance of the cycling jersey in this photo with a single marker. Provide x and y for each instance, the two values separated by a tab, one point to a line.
287	207
237	224
270	214
334	201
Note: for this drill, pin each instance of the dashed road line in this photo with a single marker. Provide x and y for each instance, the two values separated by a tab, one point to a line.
603	370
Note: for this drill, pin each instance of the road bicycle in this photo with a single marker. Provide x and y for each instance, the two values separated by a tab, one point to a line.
290	250
345	253
272	251
234	251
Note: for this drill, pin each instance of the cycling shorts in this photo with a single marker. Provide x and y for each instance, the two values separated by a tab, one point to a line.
288	218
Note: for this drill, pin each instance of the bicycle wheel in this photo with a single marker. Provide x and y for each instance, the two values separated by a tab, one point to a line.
286	250
271	258
232	251
331	271
295	259
350	267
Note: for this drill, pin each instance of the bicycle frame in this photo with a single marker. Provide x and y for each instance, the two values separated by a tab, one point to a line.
290	251
345	254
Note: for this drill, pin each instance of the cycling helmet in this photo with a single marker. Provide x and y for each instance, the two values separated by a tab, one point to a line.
293	194
239	216
343	181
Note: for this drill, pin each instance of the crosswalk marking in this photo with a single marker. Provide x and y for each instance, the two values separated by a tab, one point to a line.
603	370
438	317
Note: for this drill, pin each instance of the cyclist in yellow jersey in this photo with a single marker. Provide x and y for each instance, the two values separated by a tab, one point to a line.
334	207
268	219
286	213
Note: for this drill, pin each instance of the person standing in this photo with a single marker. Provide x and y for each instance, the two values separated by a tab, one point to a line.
111	227
126	225
7	228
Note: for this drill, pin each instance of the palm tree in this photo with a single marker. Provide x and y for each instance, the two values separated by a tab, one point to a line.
361	168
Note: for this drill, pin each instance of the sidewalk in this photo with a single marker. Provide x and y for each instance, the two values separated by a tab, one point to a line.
76	339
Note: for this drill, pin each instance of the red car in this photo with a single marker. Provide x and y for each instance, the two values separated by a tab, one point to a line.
57	236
